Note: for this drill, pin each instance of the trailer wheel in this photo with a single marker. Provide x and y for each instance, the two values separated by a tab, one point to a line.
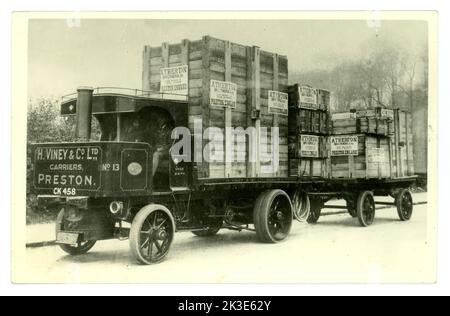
81	248
404	202
272	216
212	230
300	205
151	234
365	208
351	208
316	211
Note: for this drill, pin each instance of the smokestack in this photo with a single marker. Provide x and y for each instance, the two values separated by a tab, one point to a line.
84	112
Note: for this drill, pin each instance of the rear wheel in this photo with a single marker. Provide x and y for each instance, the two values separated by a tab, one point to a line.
316	211
300	205
365	208
80	248
404	202
151	234
272	216
351	208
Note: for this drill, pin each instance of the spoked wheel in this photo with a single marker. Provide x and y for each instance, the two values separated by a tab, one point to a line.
404	203
80	248
212	230
151	234
365	208
272	216
300	205
316	211
351	208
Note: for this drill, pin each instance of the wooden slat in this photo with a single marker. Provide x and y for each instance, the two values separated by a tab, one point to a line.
146	68
165	54
228	158
205	96
275	86
184	56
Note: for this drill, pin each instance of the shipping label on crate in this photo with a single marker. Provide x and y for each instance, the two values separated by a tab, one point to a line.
366	113
343	116
308	97
309	146
376	155
344	145
386	113
278	102
223	94
174	80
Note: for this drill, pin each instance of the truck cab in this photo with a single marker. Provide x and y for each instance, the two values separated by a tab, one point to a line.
99	183
131	157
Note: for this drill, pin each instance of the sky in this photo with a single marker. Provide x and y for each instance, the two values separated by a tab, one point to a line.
63	55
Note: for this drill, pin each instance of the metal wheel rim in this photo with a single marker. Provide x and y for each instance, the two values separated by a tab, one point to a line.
279	218
406	205
155	236
368	209
299	205
82	245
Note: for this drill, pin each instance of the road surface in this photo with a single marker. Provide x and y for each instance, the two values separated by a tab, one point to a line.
336	249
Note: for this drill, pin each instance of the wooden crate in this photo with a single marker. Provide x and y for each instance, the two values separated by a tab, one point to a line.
308	167
361	156
367	122
308	121
307	97
403	144
257	81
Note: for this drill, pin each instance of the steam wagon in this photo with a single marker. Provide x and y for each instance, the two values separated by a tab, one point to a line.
203	147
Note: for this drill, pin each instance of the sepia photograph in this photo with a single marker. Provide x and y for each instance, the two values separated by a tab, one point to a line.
271	148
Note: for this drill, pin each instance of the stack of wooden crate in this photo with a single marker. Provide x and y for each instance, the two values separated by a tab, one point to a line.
309	110
366	144
229	86
376	121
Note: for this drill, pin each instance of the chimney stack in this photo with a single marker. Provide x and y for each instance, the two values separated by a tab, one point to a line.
84	112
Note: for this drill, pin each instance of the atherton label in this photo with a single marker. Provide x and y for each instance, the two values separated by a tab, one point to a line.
344	145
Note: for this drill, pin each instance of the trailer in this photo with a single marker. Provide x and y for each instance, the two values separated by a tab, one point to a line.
129	185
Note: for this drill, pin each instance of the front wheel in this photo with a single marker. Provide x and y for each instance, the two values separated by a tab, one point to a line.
272	216
404	202
316	211
365	208
80	248
151	234
351	207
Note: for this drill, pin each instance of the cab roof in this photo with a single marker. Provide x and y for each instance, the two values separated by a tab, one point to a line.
108	100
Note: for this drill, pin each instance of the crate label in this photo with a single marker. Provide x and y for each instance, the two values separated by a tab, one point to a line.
308	97
278	102
344	145
387	113
309	146
365	113
174	80
376	155
343	116
223	94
